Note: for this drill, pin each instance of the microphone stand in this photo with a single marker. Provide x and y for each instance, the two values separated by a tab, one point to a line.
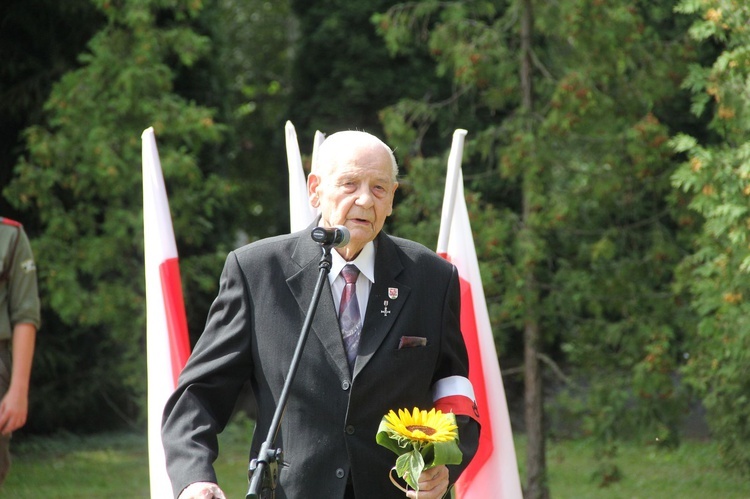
263	471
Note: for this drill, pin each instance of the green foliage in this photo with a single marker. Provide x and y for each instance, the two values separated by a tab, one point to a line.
715	179
40	40
342	75
575	189
246	78
81	175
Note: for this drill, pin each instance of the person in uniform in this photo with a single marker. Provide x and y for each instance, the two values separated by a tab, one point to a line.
19	322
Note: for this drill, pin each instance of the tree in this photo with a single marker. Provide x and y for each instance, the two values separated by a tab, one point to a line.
39	41
246	78
342	74
81	175
714	178
568	145
529	236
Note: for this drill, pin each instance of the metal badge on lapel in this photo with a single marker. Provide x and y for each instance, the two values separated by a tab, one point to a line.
385	310
392	293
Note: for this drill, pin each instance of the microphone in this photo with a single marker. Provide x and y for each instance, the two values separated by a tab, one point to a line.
337	236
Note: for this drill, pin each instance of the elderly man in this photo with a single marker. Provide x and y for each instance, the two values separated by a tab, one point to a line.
385	336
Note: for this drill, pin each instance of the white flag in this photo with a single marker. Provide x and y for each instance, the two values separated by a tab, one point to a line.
301	214
167	343
494	470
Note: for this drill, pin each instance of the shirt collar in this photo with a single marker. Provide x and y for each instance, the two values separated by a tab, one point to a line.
365	262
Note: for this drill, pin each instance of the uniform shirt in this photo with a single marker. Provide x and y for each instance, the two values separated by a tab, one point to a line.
19	296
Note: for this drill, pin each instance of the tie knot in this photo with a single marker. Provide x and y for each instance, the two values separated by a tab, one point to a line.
350	273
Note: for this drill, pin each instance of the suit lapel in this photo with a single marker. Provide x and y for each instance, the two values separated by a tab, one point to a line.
325	323
382	309
379	317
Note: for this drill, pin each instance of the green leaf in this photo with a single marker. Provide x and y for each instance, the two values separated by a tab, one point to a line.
446	453
409	466
383	438
683	142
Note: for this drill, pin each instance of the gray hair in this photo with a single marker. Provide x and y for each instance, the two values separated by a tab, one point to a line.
336	142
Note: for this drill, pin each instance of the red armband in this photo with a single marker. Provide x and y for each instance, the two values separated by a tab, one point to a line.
455	394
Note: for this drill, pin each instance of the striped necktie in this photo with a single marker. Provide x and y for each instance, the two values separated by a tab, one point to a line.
349	318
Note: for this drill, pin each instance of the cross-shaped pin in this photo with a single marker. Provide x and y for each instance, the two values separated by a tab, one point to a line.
385	310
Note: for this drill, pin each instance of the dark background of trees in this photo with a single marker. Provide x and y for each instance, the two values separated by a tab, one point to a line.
606	166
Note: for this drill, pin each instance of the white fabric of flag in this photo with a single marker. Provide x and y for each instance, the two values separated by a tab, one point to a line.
301	214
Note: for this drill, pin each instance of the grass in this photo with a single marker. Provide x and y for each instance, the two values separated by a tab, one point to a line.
67	466
116	465
691	471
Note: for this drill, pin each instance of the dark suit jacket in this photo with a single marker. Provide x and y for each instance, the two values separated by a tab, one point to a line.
328	429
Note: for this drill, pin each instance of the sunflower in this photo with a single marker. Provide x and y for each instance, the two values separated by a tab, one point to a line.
421	440
421	427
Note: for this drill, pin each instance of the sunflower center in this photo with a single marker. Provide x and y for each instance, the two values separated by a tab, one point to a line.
424	429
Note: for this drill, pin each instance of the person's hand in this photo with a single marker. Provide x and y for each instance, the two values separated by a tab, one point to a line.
14	408
433	483
202	490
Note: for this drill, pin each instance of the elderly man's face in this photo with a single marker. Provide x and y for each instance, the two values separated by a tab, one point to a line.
355	190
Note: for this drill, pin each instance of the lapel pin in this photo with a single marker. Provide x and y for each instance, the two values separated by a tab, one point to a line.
385	310
392	293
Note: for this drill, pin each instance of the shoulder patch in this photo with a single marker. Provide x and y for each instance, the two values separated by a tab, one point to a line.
28	266
8	221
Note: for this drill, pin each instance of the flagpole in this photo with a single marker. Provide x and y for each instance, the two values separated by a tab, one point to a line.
451	184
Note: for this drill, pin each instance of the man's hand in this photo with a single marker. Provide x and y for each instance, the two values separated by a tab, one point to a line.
433	483
202	490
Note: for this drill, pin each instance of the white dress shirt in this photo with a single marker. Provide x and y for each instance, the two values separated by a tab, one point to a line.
365	262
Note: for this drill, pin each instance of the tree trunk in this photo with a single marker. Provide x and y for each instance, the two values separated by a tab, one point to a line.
536	463
536	467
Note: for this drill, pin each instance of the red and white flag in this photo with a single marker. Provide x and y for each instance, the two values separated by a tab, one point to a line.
494	470
301	213
167	341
